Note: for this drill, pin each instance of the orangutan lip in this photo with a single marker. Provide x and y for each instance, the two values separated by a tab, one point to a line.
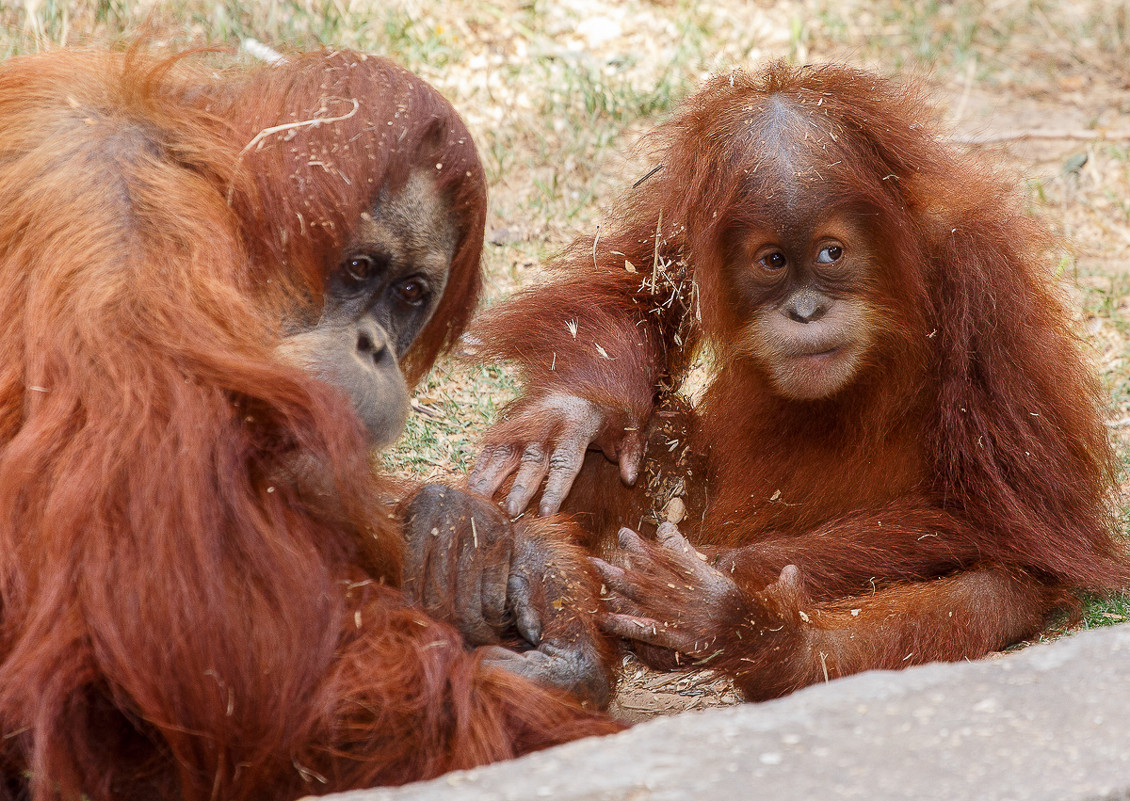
821	354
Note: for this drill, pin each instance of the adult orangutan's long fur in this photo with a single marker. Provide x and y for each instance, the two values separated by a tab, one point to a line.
177	620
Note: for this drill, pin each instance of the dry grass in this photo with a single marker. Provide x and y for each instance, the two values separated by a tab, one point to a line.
556	94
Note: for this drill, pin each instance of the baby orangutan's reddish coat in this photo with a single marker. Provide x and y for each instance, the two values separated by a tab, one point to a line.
900	457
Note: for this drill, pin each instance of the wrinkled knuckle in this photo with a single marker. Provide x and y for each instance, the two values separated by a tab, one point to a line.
517	584
533	453
564	460
491	455
482	468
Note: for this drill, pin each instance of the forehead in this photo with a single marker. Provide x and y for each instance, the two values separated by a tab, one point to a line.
415	223
790	154
797	164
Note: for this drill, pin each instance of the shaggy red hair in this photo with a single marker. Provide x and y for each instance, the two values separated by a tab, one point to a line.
965	467
178	620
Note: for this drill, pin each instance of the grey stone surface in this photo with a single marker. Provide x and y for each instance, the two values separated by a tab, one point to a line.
1050	722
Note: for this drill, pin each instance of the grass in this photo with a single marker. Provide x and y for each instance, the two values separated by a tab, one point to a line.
452	406
555	94
1106	611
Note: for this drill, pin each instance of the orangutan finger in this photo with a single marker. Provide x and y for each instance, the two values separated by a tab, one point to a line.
631	456
528	479
621	582
492	467
494	591
630	540
646	630
527	616
564	464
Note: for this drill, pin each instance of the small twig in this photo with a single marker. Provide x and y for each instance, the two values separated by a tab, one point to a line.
648	174
427	411
314	122
1014	136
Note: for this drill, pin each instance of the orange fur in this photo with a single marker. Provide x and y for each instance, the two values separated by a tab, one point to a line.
952	494
176	619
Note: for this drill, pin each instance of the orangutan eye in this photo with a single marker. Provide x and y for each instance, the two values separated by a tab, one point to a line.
830	255
774	261
360	268
363	267
413	291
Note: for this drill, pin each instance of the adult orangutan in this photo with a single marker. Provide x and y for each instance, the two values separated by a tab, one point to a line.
900	455
205	289
494	584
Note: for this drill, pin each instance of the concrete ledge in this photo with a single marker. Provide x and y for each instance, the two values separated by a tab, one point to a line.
1050	722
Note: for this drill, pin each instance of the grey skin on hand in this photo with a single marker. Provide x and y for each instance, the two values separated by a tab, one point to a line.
545	440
